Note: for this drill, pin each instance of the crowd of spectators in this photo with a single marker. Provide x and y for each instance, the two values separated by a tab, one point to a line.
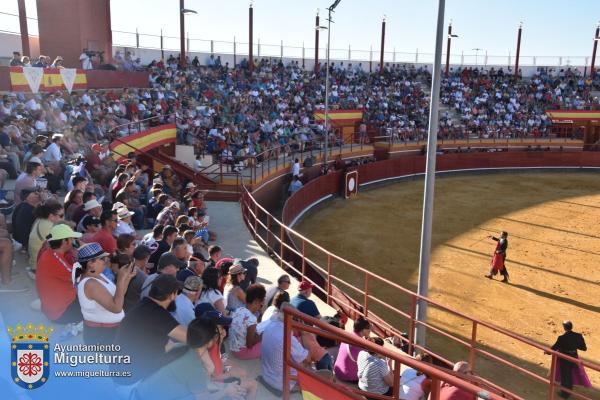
81	217
491	103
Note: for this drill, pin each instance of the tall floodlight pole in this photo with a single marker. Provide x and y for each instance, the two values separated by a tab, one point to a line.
316	69
381	52
330	9
182	13
182	58
518	51
250	36
423	288
448	48
596	40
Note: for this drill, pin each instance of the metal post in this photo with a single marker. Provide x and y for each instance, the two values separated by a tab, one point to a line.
137	39
349	53
302	55
327	90
188	43
382	45
448	48
417	56
258	45
371	59
423	286
317	42
596	37
212	45
181	33
485	60
281	50
24	29
462	57
234	52
250	56
162	47
518	51
394	57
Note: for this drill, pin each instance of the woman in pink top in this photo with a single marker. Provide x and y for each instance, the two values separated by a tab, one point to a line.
345	367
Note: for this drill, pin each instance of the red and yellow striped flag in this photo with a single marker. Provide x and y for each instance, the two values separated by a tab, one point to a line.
143	141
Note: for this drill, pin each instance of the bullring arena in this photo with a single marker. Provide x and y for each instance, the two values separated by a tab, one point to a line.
552	223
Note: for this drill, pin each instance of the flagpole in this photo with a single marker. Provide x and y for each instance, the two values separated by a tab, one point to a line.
428	196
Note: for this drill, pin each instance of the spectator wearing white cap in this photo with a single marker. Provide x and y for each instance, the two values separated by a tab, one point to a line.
91	208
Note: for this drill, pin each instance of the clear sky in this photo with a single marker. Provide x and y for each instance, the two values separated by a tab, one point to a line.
550	27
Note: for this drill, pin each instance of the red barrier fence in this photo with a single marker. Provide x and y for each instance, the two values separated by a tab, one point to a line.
357	291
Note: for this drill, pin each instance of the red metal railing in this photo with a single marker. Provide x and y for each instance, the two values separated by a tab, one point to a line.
292	251
295	320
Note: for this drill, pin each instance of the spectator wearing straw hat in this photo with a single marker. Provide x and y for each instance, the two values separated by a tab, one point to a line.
303	303
124	225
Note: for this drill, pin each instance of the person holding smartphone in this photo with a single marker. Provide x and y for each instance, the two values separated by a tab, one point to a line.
101	300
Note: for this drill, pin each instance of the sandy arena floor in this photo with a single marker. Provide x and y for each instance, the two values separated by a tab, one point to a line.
553	259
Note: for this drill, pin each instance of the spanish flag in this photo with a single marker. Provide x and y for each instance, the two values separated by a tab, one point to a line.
143	141
316	389
51	80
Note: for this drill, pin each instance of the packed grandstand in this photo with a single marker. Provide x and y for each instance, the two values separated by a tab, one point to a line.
123	247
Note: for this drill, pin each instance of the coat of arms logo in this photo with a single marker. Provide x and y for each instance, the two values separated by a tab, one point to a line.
30	355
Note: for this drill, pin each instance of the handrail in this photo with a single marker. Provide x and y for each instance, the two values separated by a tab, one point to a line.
296	320
252	212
